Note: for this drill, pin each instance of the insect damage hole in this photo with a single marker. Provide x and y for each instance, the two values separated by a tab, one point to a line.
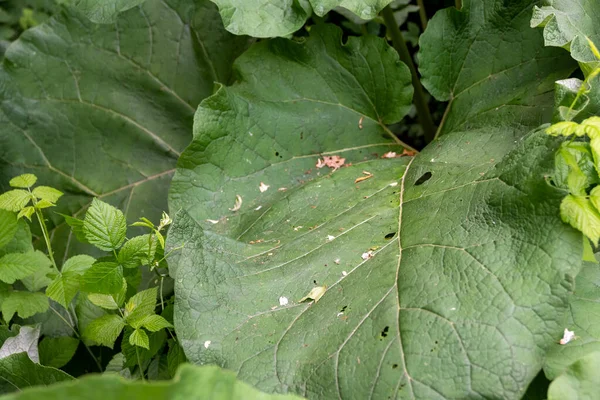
424	178
384	332
390	235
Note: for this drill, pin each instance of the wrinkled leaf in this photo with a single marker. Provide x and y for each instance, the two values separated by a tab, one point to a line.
103	277
18	372
104	11
57	352
191	382
460	240
23	181
26	341
104	226
17	266
138	251
156	342
104	330
490	65
14	200
104	111
140	306
47	193
8	227
139	338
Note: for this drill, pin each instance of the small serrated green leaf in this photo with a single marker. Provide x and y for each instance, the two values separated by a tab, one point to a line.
131	353
17	266
145	222
78	264
39	279
137	251
64	288
26	212
47	193
140	306
108	301
25	304
57	352
76	226
24	181
153	323
139	338
44	204
103	277
8	227
104	226
104	330
579	212
14	200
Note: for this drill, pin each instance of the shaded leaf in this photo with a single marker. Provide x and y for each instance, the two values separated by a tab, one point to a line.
175	357
63	113
18	372
8	227
467	55
156	342
138	251
57	352
106	11
103	277
109	301
47	193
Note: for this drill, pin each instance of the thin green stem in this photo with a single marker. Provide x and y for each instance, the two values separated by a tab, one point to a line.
79	337
422	14
419	96
162	302
40	217
137	354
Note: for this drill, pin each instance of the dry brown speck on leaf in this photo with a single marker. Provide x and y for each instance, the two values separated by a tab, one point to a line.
263	187
366	176
360	121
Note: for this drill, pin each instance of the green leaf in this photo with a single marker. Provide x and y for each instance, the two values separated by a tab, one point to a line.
14	200
86	313
579	382
175	357
18	372
122	121
8	227
582	215
157	341
57	352
491	66
574	167
108	301
17	266
582	318
139	338
64	288
26	212
103	277
25	304
117	364
138	251
77	227
568	24
191	382
78	264
21	242
104	330
158	368
140	306
47	193
39	279
153	323
104	226
440	255
24	181
269	18
106	11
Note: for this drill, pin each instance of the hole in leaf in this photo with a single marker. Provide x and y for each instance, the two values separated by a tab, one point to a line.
390	235
276	154
424	178
395	366
315	281
343	308
385	331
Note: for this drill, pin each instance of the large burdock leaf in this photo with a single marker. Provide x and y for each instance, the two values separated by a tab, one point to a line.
190	383
105	110
496	70
104	11
443	275
269	18
579	382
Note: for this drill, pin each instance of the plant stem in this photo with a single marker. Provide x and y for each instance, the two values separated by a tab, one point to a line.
458	4
79	337
422	14
419	96
40	217
137	354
